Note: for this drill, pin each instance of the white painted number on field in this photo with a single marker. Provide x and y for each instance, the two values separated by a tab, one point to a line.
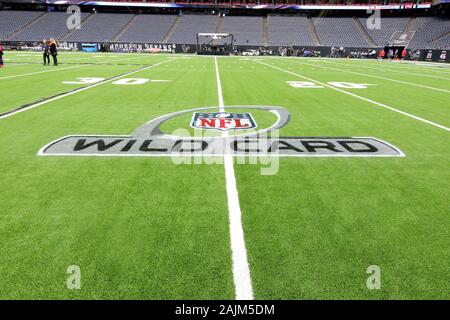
85	81
131	81
125	81
304	84
343	85
349	85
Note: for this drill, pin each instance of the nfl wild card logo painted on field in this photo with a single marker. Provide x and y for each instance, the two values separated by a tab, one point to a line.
223	121
149	140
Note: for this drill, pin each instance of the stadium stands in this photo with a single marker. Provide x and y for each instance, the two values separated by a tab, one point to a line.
51	25
387	28
285	31
101	27
339	32
11	21
442	43
431	32
190	25
246	30
148	28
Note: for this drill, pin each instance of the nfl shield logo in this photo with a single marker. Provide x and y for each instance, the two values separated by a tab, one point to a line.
223	121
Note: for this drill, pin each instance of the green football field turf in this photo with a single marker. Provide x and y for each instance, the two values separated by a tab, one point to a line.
147	228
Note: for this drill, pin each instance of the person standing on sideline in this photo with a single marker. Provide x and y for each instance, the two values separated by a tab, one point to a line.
1	56
390	54
416	55
54	51
46	52
404	54
381	54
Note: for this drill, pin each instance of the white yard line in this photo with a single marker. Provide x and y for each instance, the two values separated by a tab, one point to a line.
373	76
81	89
241	270
441	65
38	72
123	59
72	67
359	97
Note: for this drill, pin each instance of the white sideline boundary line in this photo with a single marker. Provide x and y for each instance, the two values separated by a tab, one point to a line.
405	65
373	76
409	64
360	97
81	89
364	66
241	270
441	68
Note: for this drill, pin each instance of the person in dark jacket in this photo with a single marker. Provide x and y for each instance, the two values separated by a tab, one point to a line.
46	52
1	56
54	51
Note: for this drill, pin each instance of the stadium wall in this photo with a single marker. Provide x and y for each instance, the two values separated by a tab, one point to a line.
319	51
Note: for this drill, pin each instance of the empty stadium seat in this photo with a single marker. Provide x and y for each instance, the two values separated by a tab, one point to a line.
284	31
148	29
190	25
339	32
11	21
101	27
428	30
52	25
388	26
246	30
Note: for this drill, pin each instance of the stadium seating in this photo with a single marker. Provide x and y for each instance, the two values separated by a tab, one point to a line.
246	30
100	27
10	21
388	27
52	25
284	31
339	32
190	25
148	28
429	29
431	32
442	43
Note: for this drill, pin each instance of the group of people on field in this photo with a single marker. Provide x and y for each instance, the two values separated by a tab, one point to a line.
50	47
393	54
